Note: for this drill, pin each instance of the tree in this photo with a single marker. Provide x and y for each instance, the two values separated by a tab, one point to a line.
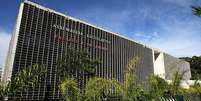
197	10
157	87
195	64
175	83
69	90
132	90
25	78
75	62
100	89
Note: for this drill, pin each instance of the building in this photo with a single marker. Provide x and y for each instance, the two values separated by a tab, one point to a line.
166	65
41	35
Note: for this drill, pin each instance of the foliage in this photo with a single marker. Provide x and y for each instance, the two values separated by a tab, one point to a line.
76	61
4	90
196	10
158	87
98	89
194	89
25	78
132	90
175	83
195	64
69	90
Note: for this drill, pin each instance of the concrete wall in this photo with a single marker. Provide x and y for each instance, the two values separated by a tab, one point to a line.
159	68
173	64
12	48
166	66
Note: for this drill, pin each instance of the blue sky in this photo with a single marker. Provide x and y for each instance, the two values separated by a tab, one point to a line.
165	24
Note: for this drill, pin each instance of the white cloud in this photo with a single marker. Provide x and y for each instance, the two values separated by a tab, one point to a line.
4	44
182	38
177	31
165	24
146	37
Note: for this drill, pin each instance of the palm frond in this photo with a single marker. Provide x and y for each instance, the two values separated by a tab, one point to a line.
196	10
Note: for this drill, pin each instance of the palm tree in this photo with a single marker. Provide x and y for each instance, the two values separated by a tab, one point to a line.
132	89
157	85
25	78
197	10
69	90
100	89
75	65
